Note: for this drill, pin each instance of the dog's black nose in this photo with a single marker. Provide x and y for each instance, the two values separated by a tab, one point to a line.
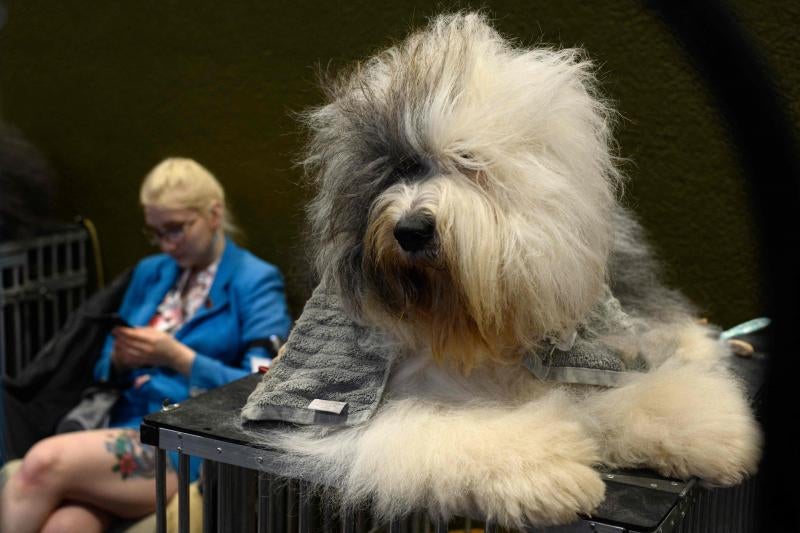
414	232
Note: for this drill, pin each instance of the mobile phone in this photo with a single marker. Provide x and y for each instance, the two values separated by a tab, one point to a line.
110	320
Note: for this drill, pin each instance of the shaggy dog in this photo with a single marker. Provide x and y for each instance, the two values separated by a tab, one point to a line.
467	208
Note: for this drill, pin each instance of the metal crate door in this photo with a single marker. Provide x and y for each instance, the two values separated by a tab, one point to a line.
42	281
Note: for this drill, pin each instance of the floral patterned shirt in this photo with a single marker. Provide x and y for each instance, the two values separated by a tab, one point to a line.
182	302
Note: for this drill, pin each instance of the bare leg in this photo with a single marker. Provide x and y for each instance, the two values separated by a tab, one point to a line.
76	517
107	469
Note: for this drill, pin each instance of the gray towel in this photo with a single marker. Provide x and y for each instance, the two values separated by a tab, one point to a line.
333	370
587	360
585	363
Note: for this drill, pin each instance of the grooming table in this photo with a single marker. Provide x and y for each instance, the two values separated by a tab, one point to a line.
241	491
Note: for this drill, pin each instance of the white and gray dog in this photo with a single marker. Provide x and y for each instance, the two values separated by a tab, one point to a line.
467	206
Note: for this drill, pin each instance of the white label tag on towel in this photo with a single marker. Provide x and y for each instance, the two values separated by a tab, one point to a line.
329	406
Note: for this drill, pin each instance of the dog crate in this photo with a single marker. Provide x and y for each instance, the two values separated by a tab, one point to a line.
43	280
242	491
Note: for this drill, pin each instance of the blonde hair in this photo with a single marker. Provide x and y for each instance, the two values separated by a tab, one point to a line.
183	183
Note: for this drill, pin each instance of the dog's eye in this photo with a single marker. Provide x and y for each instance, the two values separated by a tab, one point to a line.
468	160
468	165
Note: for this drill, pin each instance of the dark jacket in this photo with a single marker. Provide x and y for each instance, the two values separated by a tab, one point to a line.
38	397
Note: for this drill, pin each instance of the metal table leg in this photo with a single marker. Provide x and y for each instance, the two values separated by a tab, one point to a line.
209	496
161	491
183	493
264	495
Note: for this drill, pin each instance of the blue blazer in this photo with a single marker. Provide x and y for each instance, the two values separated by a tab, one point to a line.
246	304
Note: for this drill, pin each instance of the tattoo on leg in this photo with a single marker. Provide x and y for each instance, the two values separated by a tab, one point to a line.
133	458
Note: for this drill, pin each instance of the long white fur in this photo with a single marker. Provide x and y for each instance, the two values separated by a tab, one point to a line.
524	194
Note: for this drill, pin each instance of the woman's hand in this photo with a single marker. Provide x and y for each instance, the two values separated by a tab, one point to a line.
137	347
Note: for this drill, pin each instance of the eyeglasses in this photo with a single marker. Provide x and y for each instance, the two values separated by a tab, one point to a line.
172	232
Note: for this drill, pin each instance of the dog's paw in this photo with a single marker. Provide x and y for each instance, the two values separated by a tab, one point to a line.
723	452
525	465
682	421
721	466
552	492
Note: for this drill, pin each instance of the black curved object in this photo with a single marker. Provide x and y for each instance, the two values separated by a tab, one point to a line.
760	129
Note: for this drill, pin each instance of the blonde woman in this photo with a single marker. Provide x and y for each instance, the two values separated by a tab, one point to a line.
200	314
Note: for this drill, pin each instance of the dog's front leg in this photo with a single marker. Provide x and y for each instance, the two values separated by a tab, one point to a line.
683	419
518	465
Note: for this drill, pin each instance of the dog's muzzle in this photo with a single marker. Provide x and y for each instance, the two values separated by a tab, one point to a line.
415	232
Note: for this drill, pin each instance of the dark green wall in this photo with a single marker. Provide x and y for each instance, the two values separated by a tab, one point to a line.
107	89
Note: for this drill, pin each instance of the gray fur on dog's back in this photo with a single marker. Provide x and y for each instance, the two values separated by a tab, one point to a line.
635	277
